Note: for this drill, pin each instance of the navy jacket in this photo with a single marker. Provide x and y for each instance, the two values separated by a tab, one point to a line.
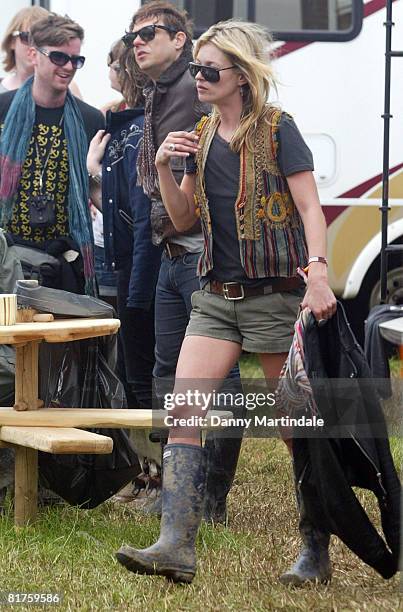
126	209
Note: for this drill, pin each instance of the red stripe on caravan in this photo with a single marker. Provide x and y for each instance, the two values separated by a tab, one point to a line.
373	6
332	212
289	47
359	190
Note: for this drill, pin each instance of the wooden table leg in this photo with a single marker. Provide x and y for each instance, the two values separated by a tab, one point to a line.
26	486
26	377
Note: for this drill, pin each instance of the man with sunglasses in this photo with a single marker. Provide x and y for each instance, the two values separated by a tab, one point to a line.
15	45
161	38
43	145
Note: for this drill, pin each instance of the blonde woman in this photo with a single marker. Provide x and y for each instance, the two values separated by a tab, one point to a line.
249	178
15	45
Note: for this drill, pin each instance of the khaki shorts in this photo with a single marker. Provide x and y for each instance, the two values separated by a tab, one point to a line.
260	324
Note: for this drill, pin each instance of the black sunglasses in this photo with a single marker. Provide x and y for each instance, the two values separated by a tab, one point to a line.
23	36
146	34
210	74
61	59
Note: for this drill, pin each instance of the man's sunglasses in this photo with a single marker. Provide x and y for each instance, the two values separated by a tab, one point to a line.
210	74
61	59
23	36
146	34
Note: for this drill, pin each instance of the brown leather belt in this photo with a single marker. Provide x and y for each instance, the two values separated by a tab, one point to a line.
174	250
237	291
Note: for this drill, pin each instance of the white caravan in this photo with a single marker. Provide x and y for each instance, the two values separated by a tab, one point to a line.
334	90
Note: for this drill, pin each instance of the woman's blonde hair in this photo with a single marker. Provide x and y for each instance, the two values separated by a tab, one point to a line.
23	20
247	46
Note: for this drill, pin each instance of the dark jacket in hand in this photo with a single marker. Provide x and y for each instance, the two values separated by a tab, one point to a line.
352	451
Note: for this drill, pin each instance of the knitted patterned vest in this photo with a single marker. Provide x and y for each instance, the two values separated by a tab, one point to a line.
270	230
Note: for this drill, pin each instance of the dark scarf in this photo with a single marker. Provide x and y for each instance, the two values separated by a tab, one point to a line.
147	175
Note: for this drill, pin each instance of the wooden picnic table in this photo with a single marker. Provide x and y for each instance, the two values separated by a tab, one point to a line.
26	338
30	427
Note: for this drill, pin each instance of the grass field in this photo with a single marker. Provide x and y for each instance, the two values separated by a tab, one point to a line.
71	551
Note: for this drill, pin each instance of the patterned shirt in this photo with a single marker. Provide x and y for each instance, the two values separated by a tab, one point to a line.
47	156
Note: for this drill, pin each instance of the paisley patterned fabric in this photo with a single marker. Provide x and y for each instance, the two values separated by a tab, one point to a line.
270	230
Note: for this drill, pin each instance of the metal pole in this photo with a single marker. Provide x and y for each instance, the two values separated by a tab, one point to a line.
43	3
385	172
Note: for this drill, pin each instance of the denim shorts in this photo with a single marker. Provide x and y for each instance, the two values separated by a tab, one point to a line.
260	324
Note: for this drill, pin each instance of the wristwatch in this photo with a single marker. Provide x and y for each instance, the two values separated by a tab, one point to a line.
96	178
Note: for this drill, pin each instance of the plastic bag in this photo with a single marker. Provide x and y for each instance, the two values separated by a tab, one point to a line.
79	374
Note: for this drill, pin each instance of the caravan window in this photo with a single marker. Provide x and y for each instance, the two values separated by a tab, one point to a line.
288	19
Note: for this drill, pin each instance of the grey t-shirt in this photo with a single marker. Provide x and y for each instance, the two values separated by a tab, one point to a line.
222	184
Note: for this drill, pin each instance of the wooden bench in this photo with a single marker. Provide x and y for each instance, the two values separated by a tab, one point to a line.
29	437
53	430
27	441
30	428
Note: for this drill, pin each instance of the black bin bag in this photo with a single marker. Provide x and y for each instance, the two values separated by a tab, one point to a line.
80	374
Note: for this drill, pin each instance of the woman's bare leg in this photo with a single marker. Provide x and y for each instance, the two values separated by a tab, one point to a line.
202	366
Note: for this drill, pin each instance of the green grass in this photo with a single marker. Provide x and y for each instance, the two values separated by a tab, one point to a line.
71	551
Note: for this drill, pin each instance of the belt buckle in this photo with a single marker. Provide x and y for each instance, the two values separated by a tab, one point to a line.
225	290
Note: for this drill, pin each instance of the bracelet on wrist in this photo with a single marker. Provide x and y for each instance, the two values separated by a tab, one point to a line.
314	259
317	259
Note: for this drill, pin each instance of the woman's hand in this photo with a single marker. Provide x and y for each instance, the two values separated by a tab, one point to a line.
319	298
177	144
96	152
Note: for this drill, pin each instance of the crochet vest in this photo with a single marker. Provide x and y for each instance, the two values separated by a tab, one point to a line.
270	230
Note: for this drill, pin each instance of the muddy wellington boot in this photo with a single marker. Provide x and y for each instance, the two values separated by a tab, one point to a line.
222	460
313	563
174	554
222	450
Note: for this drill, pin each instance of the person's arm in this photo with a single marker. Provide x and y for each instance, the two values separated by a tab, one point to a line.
95	155
319	298
178	201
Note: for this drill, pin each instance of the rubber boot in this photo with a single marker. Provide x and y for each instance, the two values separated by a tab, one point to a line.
222	460
174	554
222	449
313	563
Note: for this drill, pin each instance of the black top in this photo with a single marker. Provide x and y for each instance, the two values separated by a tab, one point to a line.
222	184
92	117
47	163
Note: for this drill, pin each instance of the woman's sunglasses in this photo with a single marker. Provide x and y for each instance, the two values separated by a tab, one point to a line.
23	36
61	59
210	74
146	34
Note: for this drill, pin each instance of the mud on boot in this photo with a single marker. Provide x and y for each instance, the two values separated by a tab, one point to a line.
313	563
174	554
